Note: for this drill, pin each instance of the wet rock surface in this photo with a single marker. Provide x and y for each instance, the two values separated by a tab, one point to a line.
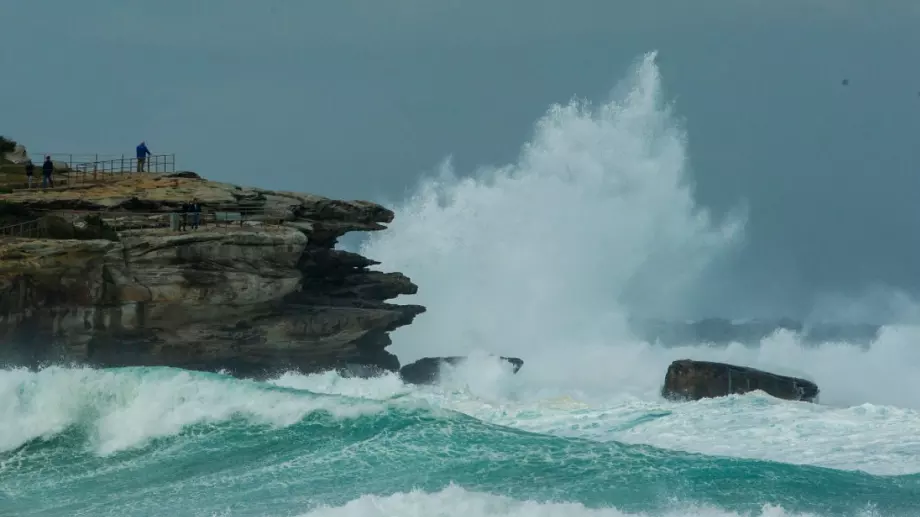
427	369
694	380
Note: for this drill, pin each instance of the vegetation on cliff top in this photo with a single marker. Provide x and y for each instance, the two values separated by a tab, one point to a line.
7	145
10	173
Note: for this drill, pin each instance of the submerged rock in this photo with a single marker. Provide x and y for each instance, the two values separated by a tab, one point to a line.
694	380
426	370
120	288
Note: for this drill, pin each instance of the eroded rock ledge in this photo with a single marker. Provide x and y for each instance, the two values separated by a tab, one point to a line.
250	298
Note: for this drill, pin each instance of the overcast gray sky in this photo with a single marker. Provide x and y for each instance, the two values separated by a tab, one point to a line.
356	98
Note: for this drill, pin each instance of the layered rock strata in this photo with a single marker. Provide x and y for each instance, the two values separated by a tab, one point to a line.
259	290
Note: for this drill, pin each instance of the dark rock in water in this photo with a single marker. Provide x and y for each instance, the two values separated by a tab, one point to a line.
425	370
694	380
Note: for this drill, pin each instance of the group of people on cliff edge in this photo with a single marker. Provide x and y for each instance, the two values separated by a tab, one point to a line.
48	167
47	172
191	215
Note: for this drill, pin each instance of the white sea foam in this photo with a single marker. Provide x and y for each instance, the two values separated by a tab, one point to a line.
127	408
454	501
547	257
873	438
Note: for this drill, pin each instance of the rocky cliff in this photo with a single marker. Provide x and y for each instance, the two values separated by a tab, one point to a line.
111	284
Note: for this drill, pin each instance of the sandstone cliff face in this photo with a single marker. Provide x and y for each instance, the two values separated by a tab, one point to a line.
254	298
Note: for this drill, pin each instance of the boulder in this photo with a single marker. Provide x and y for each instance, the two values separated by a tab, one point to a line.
693	380
426	370
184	174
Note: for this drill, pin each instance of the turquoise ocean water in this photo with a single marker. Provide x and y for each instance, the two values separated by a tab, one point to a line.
169	442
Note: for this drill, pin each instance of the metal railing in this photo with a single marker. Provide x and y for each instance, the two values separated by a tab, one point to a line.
88	173
157	163
108	162
72	159
33	229
241	212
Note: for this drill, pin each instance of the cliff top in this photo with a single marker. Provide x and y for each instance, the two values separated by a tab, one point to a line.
147	195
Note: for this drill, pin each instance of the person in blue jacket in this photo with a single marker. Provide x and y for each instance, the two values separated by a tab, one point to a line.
142	154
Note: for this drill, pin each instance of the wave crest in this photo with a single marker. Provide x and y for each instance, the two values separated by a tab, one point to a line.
127	408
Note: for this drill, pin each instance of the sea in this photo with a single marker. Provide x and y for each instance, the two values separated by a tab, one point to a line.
550	258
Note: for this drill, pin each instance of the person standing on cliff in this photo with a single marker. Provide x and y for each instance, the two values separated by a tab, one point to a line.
195	209
47	171
30	170
183	217
142	154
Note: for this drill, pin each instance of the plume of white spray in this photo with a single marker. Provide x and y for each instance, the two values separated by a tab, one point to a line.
595	219
546	258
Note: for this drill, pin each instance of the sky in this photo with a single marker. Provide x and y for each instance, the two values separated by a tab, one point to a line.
357	98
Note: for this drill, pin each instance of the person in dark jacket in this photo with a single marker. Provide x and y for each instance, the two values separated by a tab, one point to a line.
195	209
191	215
47	171
30	171
183	217
142	154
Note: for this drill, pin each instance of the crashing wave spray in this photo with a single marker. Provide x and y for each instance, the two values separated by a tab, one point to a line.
546	258
594	222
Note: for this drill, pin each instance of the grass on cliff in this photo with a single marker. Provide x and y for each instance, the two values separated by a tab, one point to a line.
11	174
8	170
6	145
